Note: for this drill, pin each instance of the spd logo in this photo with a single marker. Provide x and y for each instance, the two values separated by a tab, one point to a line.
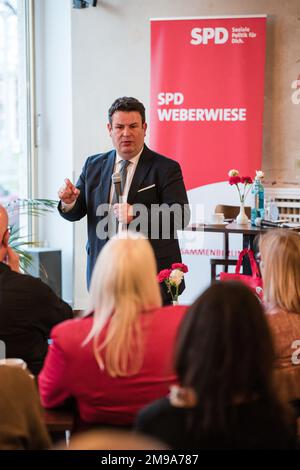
203	35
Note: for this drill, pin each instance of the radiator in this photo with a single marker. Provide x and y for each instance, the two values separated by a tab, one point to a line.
288	202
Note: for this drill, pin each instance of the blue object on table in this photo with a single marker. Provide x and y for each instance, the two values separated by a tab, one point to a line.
259	193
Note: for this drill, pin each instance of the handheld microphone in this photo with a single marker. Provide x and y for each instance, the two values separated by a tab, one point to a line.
116	179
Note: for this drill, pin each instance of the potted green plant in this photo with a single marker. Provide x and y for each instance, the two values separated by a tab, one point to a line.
31	208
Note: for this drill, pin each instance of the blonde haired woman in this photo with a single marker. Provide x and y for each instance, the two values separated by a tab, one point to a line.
280	267
118	357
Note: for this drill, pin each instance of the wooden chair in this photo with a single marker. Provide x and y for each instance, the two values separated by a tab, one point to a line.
230	213
59	423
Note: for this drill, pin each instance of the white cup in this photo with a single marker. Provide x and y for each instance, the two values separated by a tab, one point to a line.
217	218
13	362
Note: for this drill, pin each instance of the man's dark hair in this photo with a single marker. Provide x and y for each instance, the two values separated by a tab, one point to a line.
126	104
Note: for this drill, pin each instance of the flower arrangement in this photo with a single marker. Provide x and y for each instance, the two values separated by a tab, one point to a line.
235	179
172	277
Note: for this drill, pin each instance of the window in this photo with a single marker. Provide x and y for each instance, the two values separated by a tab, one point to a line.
14	85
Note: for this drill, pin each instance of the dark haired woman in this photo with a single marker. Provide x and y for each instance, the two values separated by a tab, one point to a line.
224	361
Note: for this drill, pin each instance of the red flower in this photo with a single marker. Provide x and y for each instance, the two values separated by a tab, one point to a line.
183	267
163	274
246	180
234	180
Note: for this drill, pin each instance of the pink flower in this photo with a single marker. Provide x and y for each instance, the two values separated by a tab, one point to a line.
172	278
164	274
246	180
234	180
183	267
176	277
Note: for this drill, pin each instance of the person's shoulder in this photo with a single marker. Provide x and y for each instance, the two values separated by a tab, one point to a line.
14	375
31	288
26	281
157	408
283	322
278	315
34	285
162	160
170	310
99	158
73	328
168	318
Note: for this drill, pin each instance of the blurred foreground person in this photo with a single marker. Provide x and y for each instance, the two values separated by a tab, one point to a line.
112	440
224	363
21	422
118	358
28	307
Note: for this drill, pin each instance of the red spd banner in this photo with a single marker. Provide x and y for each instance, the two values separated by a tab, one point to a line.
207	93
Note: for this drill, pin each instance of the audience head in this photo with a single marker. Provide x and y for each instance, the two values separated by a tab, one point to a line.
112	440
224	349
4	232
123	286
280	268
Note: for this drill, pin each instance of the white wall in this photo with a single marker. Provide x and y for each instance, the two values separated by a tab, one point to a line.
54	104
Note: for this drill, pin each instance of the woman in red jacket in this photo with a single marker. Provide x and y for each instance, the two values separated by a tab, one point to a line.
117	358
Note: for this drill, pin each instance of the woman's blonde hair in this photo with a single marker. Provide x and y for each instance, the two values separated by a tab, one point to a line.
280	255
123	285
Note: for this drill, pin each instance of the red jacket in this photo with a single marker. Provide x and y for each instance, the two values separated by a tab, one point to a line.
71	369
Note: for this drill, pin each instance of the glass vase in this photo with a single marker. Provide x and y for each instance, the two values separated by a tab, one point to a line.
242	218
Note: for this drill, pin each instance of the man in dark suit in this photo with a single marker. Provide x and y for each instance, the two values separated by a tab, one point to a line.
28	307
154	197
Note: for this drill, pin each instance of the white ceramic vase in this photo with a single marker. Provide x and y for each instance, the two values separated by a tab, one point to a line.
242	219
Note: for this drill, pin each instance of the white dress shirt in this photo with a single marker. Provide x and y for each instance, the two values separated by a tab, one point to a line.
130	173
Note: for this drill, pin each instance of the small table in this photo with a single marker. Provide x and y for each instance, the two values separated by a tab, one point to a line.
248	231
57	420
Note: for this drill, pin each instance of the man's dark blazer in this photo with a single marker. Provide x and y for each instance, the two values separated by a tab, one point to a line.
163	178
28	311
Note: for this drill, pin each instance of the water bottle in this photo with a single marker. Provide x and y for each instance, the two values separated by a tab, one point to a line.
258	192
273	211
267	208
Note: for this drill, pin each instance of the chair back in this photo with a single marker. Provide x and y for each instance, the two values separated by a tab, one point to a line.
231	212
